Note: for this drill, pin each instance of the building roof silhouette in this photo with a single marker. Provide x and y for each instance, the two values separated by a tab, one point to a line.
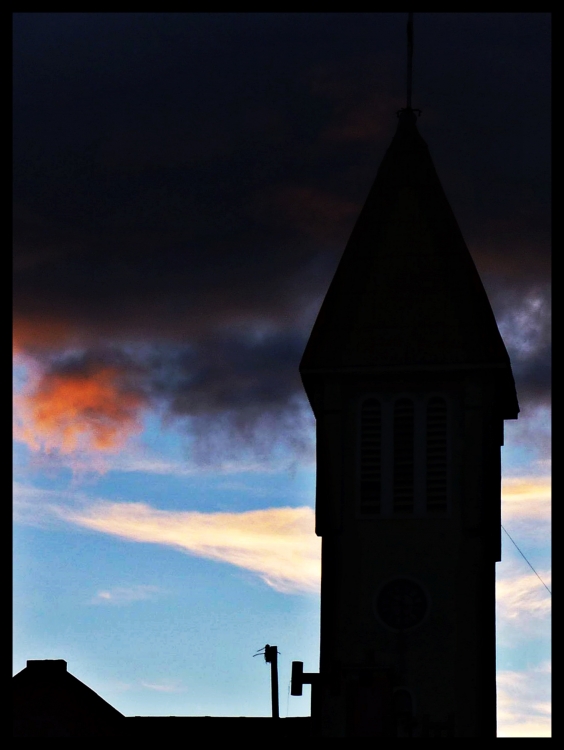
48	701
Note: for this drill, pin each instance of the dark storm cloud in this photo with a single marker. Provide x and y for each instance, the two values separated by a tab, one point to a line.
524	315
189	181
262	373
239	393
233	394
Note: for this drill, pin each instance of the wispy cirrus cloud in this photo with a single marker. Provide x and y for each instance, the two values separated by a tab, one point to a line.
40	507
523	702
277	544
164	687
524	594
523	604
121	595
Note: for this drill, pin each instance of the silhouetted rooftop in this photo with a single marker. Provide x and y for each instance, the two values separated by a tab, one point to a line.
48	701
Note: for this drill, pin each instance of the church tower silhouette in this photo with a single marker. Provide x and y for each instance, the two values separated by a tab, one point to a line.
410	384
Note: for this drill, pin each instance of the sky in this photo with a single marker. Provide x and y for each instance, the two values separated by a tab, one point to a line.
184	186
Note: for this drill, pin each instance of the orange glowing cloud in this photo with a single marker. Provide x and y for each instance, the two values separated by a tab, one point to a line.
70	412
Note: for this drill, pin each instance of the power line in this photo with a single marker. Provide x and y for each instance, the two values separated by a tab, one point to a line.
524	558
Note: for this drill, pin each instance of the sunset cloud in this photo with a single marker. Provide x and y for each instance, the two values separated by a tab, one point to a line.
73	411
277	544
526	497
526	508
237	397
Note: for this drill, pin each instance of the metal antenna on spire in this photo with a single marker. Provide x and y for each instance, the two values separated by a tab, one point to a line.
409	57
407	113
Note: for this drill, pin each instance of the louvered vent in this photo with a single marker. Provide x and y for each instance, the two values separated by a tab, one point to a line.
371	458
403	456
436	456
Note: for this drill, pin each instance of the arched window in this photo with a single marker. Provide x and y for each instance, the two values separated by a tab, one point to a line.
436	463
371	457
404	456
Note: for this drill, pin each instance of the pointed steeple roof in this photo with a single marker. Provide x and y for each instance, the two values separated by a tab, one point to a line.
406	293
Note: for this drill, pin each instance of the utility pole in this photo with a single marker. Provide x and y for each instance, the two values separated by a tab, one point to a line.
271	657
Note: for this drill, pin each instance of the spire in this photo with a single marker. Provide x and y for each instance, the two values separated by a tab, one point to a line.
406	293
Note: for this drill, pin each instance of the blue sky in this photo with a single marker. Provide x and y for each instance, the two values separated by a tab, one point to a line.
169	625
181	624
184	186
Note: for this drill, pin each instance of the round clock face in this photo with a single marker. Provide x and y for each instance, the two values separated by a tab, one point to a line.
401	604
